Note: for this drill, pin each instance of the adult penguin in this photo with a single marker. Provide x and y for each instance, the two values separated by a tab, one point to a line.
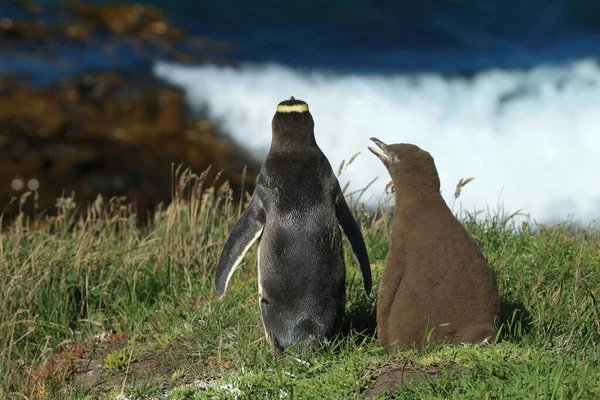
299	213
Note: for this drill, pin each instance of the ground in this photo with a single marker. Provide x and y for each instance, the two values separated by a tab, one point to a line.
100	307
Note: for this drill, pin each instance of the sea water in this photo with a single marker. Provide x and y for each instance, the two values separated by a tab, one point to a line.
507	92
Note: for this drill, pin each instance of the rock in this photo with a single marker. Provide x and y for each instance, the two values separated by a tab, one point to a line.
29	5
127	19
145	29
24	31
76	32
109	133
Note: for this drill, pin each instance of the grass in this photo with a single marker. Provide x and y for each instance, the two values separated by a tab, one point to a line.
101	307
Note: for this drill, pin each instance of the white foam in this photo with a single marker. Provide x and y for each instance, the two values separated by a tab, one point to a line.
538	152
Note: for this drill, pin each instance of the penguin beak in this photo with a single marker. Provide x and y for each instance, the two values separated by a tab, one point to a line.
381	153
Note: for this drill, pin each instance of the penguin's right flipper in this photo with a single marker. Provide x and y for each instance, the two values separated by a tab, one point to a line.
243	235
351	230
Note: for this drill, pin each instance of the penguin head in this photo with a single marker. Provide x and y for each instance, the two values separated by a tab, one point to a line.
412	169
292	124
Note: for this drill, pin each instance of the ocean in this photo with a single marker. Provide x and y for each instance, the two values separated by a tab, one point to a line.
507	92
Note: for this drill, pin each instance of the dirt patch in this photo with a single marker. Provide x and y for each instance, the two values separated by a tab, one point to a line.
397	373
84	364
157	365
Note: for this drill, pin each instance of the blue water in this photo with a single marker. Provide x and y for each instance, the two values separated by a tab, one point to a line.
433	35
384	36
506	91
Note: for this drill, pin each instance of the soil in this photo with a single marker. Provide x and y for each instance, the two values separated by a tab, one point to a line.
397	373
157	365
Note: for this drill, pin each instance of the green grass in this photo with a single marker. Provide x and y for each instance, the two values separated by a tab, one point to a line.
65	279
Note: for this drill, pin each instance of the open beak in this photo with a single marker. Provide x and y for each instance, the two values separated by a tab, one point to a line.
380	152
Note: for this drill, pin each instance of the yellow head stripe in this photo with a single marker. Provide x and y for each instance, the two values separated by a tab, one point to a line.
299	108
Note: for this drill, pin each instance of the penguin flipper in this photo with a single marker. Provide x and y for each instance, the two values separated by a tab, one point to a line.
243	235
351	230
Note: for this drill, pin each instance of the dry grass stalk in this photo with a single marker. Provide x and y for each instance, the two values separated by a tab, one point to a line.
461	183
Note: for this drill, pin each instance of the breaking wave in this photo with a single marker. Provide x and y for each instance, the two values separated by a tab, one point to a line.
530	138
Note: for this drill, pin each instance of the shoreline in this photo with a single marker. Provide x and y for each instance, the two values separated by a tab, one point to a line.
112	130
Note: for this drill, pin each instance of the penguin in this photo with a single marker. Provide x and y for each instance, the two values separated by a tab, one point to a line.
299	216
436	285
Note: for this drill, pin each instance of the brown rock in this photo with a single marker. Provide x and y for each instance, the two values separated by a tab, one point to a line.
145	28
76	32
19	31
29	5
106	133
127	19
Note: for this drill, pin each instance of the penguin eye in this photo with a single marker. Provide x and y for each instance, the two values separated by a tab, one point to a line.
390	187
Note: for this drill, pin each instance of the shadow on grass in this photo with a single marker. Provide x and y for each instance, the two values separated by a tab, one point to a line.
360	317
359	327
515	320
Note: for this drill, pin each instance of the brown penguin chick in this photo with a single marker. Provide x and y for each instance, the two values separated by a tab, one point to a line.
435	276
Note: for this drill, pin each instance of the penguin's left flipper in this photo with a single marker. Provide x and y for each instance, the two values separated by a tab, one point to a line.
351	230
243	235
